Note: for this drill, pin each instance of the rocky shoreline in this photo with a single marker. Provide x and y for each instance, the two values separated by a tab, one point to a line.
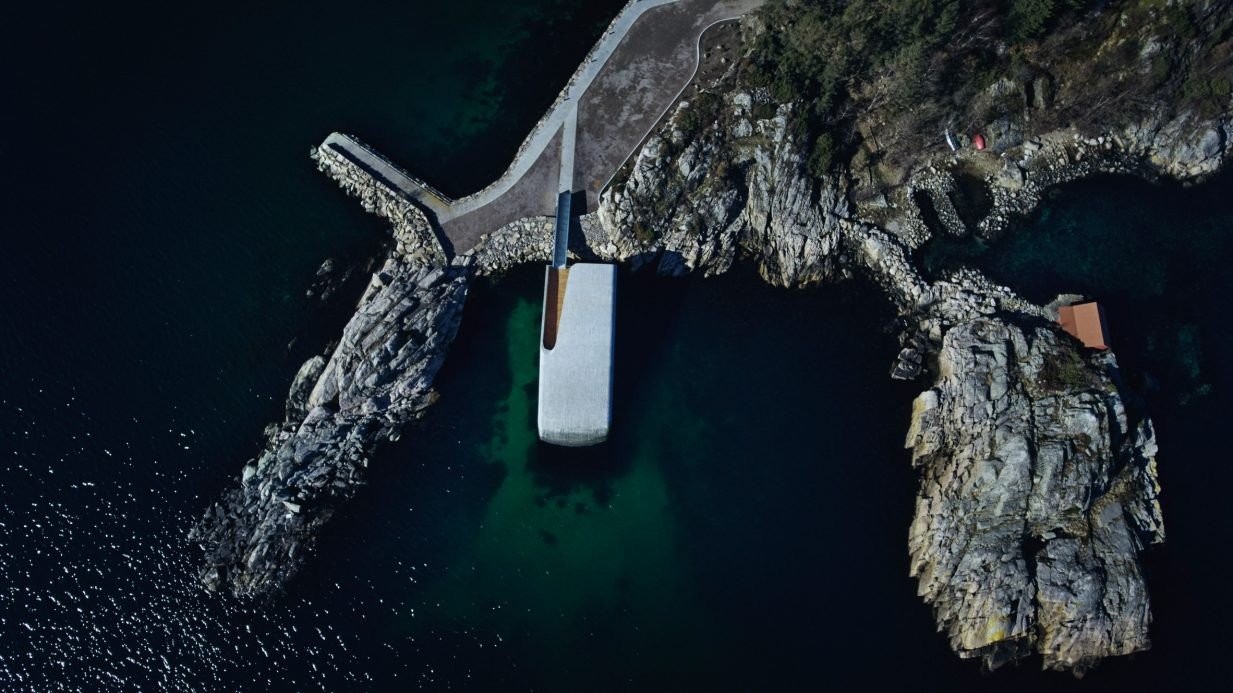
1038	480
378	378
1038	486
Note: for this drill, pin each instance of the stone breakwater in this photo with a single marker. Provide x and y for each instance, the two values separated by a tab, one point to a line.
516	243
1038	487
379	378
414	238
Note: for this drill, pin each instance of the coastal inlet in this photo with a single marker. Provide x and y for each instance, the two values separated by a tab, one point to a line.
746	527
1038	479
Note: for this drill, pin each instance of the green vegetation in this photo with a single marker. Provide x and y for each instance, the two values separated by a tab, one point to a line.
822	158
824	54
704	108
1209	94
1065	373
1029	19
644	233
887	76
1210	83
902	59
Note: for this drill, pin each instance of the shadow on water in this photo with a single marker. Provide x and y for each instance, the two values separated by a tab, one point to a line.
560	472
945	252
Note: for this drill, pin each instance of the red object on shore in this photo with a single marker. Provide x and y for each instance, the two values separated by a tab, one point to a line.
978	141
1085	322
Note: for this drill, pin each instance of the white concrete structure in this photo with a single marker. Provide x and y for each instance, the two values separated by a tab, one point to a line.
575	354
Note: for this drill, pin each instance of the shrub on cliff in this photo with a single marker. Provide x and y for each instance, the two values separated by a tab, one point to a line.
891	75
1028	19
839	59
822	158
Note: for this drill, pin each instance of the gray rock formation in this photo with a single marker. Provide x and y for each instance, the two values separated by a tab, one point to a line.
1185	147
378	379
1038	493
526	240
1038	483
731	189
1038	487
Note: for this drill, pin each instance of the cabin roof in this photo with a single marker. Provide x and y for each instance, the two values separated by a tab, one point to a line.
1086	322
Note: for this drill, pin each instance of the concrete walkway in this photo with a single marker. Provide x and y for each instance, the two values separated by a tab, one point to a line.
636	70
569	141
566	105
385	170
650	68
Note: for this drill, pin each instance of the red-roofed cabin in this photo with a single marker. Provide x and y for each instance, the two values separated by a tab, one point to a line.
978	141
1086	322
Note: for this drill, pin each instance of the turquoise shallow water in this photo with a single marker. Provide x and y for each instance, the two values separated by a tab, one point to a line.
746	527
755	474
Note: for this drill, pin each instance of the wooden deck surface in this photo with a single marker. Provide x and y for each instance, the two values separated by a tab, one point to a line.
554	303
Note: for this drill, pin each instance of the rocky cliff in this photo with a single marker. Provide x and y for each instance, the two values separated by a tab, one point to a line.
1038	489
695	200
1038	482
339	409
1038	493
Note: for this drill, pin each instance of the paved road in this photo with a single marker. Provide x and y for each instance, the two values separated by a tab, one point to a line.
635	72
566	104
650	68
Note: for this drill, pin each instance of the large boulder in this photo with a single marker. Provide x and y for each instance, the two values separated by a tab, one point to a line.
1038	493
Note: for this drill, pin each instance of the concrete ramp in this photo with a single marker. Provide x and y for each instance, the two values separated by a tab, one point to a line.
575	372
560	244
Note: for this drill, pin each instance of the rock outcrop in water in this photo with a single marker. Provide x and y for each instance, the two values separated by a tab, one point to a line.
1038	492
1038	482
694	201
339	409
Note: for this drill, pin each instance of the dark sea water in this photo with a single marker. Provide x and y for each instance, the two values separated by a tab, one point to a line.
745	528
1157	257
